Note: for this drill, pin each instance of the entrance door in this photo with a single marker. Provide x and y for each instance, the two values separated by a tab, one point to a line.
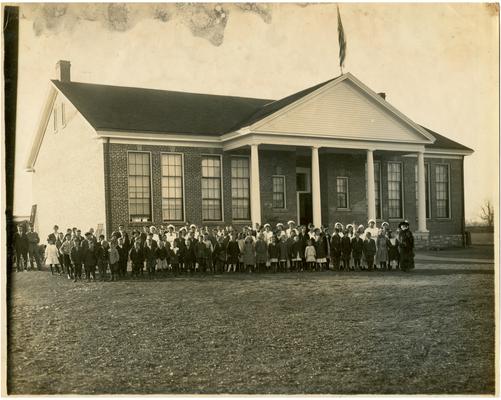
303	192
305	208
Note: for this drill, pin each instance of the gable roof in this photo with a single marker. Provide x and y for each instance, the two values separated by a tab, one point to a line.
121	108
147	110
442	142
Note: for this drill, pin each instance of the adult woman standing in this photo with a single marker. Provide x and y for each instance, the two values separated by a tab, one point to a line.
406	247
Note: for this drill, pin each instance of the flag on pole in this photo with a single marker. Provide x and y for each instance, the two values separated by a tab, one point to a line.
342	41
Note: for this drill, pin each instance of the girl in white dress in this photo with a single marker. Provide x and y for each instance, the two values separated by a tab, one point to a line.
51	257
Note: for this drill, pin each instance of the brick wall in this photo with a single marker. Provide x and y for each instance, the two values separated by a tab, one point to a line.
277	163
271	163
284	163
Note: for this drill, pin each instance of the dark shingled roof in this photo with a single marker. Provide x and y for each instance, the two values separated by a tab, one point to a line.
442	142
148	110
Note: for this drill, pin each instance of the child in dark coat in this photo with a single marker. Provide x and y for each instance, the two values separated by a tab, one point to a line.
261	253
297	254
123	257
174	256
150	256
102	258
336	249
273	253
162	256
189	255
219	255
346	250
76	257
283	257
369	250
233	251
357	248
90	260
137	259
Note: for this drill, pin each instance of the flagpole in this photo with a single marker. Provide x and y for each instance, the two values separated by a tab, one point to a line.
342	40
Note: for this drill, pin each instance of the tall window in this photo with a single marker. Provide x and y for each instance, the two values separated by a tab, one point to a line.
55	119
240	195
211	188
394	190
342	192
139	186
63	115
442	190
279	192
377	188
172	187
427	189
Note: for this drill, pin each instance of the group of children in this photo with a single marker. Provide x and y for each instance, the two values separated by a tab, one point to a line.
224	250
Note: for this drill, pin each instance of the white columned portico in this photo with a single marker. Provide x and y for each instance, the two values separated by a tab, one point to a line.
255	190
371	188
421	211
315	187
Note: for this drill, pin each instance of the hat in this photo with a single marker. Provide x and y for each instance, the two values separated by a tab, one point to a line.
371	220
361	227
267	225
385	224
193	226
182	229
403	223
291	222
280	224
170	226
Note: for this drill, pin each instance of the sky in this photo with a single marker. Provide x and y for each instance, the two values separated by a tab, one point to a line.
437	63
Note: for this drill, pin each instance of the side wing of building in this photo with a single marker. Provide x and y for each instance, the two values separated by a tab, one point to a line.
68	171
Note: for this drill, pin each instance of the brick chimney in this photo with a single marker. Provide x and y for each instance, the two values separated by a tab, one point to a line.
383	95
63	69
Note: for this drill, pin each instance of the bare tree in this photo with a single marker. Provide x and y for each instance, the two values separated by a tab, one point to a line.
487	214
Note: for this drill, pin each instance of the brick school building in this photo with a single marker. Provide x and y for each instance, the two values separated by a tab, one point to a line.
335	152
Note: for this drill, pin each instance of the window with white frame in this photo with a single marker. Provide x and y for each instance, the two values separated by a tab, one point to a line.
377	188
342	192
240	193
211	188
427	188
442	190
394	190
63	115
139	168
54	112
172	187
278	191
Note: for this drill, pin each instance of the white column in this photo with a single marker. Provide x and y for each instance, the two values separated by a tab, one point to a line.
255	191
421	209
371	189
315	188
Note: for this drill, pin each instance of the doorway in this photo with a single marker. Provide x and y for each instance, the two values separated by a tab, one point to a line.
303	193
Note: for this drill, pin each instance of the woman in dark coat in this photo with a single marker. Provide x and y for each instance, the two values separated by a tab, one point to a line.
406	247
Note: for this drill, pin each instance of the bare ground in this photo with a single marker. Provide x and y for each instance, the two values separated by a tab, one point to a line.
429	331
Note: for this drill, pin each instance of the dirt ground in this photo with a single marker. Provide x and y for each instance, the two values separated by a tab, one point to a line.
429	331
